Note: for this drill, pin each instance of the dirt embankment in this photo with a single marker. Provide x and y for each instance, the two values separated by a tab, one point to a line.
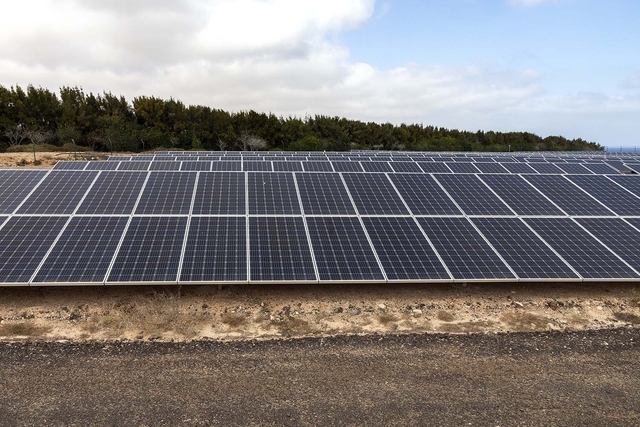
44	160
255	311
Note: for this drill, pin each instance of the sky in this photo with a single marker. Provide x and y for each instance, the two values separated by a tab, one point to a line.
551	67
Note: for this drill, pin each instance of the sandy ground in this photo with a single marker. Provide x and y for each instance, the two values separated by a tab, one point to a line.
44	160
264	312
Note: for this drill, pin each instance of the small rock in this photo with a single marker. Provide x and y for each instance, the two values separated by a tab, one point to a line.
518	304
139	337
205	305
154	337
382	306
416	311
339	310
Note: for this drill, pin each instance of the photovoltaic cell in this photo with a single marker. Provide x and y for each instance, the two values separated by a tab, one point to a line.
463	250
376	167
525	253
601	168
465	167
150	251
257	166
613	196
279	250
373	194
518	168
216	250
134	166
491	168
423	195
113	193
313	166
15	186
629	182
24	241
472	195
196	166
434	167
226	166
619	236
546	168
520	195
585	254
347	166
287	166
272	194
167	193
84	251
102	166
165	166
563	193
403	250
574	169
405	167
59	193
220	193
70	165
323	194
342	250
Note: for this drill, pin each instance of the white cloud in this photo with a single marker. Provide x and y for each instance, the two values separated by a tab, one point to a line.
276	55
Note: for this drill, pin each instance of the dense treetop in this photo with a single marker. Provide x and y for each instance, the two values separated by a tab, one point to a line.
105	122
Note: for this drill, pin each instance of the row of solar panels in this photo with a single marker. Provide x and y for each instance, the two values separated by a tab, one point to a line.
119	250
32	192
351	166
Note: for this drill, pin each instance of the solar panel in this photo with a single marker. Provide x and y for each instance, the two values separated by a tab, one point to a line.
373	194
272	194
113	193
287	166
347	167
491	168
317	166
618	235
220	193
613	196
463	167
15	186
342	251
405	167
472	195
574	169
629	182
434	167
196	166
563	193
24	241
226	166
279	250
102	166
84	251
165	166
601	168
463	250
323	194
257	166
150	250
423	195
585	254
403	250
167	193
518	168
520	195
134	166
376	167
70	165
216	250
59	193
525	253
546	168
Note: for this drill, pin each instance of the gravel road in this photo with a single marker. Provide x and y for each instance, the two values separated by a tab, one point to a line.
554	378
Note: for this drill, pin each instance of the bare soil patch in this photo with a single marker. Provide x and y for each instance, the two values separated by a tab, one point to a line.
263	312
44	160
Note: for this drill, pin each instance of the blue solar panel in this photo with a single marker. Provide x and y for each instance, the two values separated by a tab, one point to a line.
520	195
70	165
403	250
463	250
59	193
472	195
150	251
102	166
518	168
405	167
272	193
629	182
347	166
574	169
216	250
196	166
226	166
287	166
279	250
373	194
167	193
463	167
491	168
164	166
423	195
113	193
84	251
546	168
134	166
314	166
257	166
15	186
376	167
567	196
584	253
220	193
618	235
24	241
525	253
341	250
323	194
608	192
434	167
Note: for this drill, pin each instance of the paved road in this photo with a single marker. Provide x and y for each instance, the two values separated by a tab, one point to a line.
586	378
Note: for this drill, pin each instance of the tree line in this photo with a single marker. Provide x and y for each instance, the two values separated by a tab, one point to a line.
106	122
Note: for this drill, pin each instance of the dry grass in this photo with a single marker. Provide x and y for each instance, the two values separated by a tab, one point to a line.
23	329
628	318
385	319
445	316
519	321
291	326
233	320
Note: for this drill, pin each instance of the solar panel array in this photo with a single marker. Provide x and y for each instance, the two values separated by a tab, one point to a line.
307	217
